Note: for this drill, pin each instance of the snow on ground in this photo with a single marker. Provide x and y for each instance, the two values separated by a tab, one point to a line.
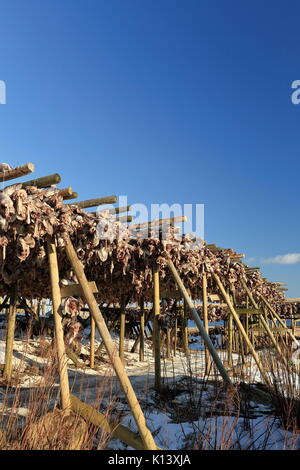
191	414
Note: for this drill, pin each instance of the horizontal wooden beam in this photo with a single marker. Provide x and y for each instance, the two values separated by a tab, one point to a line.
277	329
146	233
154	223
65	192
249	311
289	301
17	172
118	210
125	219
118	431
74	195
213	297
75	290
114	210
44	181
213	248
95	202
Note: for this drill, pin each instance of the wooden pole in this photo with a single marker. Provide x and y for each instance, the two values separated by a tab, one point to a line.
66	192
74	195
156	327
137	341
154	223
11	323
264	322
230	338
119	210
200	325
278	318
184	329
17	172
59	334
205	319
122	330
247	324
111	349
175	335
95	202
142	329
168	340
124	219
241	328
92	343
117	430
44	181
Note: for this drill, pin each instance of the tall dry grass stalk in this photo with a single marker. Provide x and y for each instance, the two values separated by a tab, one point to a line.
30	418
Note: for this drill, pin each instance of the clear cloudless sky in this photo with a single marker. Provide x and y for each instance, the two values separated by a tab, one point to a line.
163	101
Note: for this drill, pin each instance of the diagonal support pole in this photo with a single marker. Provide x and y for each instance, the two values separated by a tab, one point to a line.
11	323
264	322
278	318
59	333
156	328
241	328
205	318
111	348
200	325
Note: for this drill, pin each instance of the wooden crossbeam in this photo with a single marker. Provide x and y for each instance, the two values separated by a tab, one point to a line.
273	329
134	404
115	429
74	195
75	290
213	297
289	301
118	210
213	248
66	192
153	223
17	172
249	311
44	181
216	249
125	219
95	202
144	233
114	210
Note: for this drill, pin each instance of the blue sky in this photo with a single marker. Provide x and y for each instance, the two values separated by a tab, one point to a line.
164	101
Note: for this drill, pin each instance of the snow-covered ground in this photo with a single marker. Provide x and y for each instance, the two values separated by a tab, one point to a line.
190	414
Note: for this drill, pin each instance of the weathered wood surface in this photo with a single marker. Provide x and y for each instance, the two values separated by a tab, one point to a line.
115	429
249	311
125	219
156	328
241	328
112	350
95	202
59	334
44	181
17	172
76	290
65	192
154	223
9	344
74	195
200	325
